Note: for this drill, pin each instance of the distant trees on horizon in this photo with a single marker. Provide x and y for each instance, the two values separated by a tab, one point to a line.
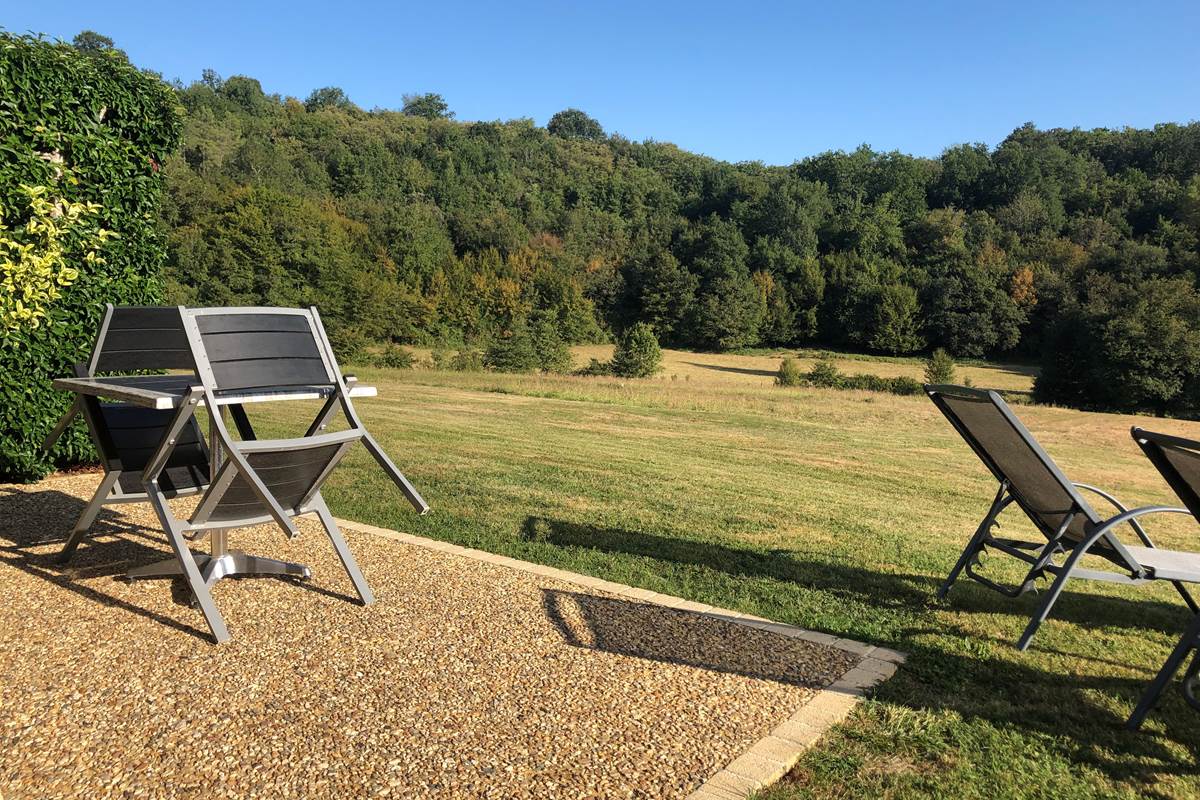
1075	248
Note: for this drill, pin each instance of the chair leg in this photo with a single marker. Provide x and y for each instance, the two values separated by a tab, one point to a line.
343	551
1170	666
1056	589
1187	596
90	511
191	572
975	545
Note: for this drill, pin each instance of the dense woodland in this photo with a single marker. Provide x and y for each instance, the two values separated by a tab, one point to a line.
1074	248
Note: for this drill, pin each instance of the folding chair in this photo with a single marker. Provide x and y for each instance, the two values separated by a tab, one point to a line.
125	435
1178	460
248	354
238	355
1031	480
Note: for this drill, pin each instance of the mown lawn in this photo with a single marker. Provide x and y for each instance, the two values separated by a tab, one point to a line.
836	511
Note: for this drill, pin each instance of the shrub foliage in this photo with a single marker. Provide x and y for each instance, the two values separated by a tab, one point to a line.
637	354
939	369
85	133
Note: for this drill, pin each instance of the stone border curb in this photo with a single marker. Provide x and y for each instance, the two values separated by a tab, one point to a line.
771	757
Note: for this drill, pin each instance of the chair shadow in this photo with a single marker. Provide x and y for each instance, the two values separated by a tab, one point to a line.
1006	692
33	520
614	625
877	589
766	373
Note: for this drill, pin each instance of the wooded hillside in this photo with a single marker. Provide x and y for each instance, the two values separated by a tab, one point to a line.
1075	247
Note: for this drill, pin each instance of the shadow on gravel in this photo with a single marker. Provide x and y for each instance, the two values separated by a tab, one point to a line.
1072	703
658	633
34	524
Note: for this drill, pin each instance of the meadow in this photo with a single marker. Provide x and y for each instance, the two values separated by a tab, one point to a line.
839	511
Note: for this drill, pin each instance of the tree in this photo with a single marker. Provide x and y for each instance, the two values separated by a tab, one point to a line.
92	43
637	354
553	354
728	310
1126	347
939	369
513	350
897	323
329	97
429	106
574	124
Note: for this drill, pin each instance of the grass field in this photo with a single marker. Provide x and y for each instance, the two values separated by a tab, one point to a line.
839	511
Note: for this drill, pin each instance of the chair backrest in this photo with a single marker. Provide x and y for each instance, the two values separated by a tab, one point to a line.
291	470
127	437
1009	450
141	337
239	349
1178	460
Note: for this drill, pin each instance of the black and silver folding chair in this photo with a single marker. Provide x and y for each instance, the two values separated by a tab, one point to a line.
1031	480
235	356
126	435
243	355
1179	462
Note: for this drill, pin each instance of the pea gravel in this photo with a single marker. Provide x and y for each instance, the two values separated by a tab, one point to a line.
465	679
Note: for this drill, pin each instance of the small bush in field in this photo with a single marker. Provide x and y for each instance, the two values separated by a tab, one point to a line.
553	354
512	351
595	367
789	373
467	360
825	373
939	369
395	357
439	358
638	354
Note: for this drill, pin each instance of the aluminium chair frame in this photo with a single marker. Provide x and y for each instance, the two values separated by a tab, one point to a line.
1041	556
105	358
1152	444
229	459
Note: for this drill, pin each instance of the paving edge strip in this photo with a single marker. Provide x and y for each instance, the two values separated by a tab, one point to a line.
773	756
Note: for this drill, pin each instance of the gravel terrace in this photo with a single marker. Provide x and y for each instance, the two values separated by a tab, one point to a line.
465	679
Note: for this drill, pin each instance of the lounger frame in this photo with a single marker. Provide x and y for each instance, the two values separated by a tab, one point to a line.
1099	538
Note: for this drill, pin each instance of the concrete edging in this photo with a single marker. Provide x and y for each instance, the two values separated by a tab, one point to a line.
773	756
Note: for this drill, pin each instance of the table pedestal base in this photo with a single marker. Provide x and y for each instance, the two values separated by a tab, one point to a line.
231	564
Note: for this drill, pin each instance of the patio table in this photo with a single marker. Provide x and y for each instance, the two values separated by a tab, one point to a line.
168	392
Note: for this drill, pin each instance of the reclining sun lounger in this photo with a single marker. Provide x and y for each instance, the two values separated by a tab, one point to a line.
1055	505
1179	462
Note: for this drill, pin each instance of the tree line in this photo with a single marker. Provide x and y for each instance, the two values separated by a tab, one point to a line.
1077	249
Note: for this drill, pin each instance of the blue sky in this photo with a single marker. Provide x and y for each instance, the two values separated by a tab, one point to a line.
740	81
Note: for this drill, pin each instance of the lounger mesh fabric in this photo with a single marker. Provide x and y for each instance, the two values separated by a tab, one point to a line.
1038	488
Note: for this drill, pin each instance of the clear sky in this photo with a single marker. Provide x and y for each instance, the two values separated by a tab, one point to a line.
740	81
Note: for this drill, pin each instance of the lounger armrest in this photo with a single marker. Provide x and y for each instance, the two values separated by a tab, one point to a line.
1133	523
1089	488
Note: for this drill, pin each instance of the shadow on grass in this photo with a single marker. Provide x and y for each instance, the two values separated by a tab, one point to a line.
1069	707
768	373
875	589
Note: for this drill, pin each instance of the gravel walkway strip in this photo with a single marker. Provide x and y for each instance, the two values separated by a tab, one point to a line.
473	675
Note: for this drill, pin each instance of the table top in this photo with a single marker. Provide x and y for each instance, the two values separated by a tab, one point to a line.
167	391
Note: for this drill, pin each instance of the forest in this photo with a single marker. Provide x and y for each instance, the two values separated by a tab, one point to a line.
1076	250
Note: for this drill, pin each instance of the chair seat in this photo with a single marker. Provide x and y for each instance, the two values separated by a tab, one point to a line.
1170	565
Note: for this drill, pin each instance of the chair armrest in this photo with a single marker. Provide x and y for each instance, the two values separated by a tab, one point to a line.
1088	488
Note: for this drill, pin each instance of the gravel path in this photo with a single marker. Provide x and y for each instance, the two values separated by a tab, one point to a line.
465	679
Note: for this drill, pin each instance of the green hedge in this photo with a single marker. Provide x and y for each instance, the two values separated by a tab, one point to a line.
107	127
